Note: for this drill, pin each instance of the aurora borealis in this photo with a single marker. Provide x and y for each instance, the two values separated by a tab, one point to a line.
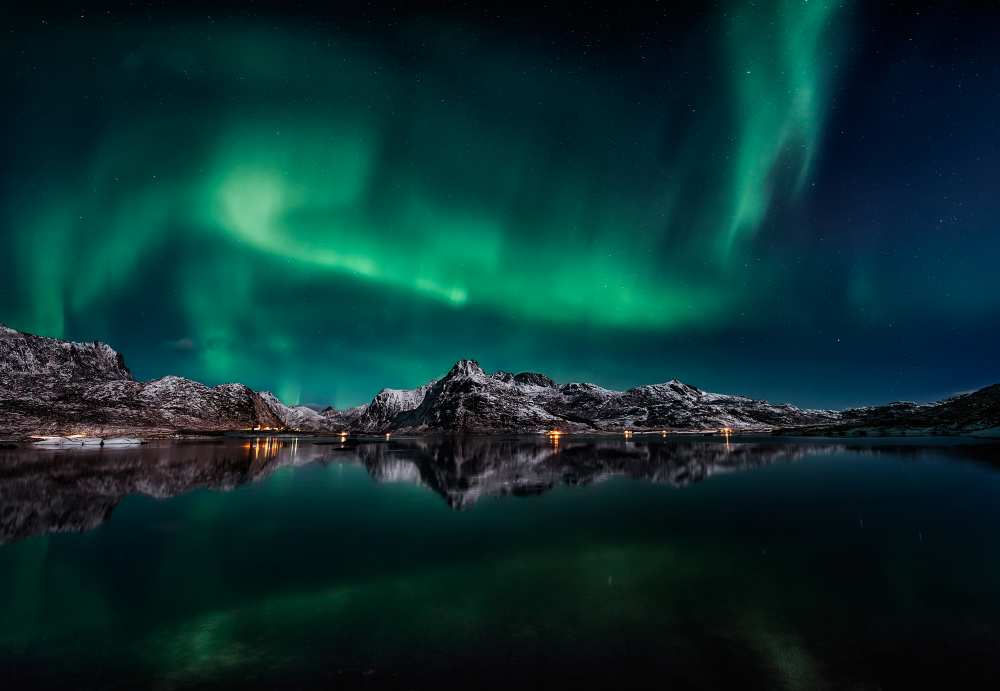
792	200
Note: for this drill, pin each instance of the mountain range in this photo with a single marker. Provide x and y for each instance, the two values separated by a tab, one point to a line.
54	387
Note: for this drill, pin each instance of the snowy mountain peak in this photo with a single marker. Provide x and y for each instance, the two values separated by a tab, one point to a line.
465	368
54	387
387	404
48	386
678	384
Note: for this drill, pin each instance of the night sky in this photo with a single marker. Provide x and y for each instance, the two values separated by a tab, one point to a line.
792	200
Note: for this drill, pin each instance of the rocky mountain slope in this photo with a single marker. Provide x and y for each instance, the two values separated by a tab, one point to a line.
48	386
975	413
470	400
301	418
388	404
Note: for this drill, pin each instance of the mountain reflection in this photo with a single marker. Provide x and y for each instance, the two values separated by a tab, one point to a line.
47	491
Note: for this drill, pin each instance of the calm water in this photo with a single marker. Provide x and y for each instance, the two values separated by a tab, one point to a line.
501	563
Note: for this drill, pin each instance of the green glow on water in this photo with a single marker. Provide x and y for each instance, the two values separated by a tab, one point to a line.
318	570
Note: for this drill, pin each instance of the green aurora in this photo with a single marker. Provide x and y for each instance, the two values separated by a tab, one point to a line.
325	212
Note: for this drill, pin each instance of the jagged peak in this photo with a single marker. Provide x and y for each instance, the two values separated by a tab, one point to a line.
466	368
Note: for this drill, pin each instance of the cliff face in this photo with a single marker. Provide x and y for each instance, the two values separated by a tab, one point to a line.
24	357
48	386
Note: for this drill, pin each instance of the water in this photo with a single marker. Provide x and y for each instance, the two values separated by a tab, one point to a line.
587	563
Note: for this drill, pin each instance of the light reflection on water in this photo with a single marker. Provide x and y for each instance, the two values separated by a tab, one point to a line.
795	565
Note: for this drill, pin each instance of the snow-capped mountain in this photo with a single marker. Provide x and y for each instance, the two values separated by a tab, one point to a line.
302	418
388	404
470	400
54	387
48	386
24	355
341	420
467	399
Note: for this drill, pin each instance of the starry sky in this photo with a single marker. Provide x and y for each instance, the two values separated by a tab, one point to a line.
790	200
